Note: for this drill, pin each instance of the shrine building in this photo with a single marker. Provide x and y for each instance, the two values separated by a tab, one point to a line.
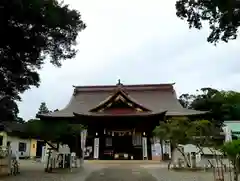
120	118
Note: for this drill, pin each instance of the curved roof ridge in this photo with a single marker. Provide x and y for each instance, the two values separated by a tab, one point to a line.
125	86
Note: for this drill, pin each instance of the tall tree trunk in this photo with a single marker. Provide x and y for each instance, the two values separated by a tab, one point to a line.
172	152
235	172
182	153
184	157
201	151
161	146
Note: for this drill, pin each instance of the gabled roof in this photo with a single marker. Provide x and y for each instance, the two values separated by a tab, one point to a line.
154	97
119	96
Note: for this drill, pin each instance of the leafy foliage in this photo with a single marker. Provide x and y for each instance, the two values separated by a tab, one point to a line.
222	105
232	150
201	133
33	31
57	132
223	17
174	131
60	131
8	109
204	133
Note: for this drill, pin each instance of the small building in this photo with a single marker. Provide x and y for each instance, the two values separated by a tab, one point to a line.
120	118
15	133
234	126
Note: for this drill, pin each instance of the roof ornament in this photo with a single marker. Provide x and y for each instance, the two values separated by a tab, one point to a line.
119	84
75	92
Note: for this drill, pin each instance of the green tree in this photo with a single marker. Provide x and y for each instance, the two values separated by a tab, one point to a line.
222	105
186	100
9	110
204	133
33	32
43	109
59	132
175	131
223	17
232	150
201	133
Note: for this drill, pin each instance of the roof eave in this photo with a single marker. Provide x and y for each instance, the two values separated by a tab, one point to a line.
44	116
121	115
187	112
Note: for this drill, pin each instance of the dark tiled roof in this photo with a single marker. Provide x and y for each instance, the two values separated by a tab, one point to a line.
155	97
13	127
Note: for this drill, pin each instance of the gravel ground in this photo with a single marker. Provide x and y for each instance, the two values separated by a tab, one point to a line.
121	173
162	174
33	171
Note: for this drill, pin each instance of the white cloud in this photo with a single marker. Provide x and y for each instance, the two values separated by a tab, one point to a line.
139	42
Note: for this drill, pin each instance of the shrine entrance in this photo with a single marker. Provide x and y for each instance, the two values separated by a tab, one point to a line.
122	144
117	147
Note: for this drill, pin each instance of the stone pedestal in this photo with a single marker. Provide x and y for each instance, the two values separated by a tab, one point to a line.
4	166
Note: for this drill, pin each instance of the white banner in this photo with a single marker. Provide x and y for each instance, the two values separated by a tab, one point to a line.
228	133
144	146
83	139
96	148
157	149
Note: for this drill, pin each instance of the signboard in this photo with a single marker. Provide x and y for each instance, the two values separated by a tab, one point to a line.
144	146
157	149
83	139
96	148
228	133
83	142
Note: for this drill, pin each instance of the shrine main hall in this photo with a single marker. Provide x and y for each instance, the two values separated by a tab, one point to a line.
120	118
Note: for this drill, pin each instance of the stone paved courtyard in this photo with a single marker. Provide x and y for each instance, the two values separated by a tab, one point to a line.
32	171
121	173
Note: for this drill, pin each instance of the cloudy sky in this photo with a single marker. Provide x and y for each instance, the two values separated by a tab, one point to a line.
137	41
